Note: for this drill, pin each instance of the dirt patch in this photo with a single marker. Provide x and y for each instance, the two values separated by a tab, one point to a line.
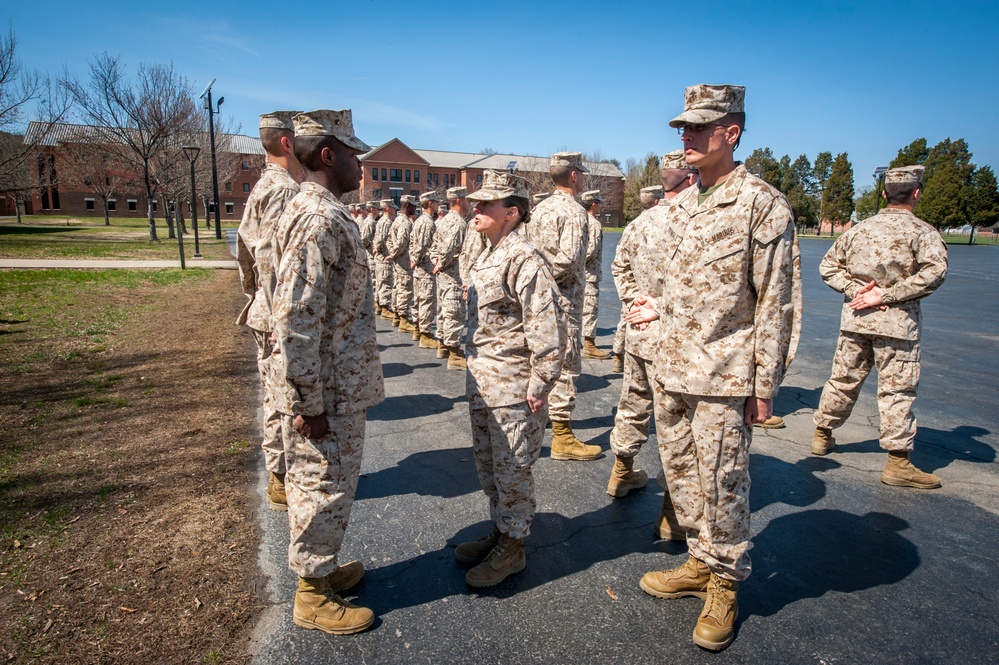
127	531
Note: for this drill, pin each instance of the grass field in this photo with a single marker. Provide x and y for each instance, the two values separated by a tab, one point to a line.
47	237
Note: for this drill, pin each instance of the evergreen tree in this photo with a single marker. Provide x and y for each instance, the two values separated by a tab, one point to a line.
762	163
947	184
983	204
866	202
911	155
822	169
798	181
784	169
837	198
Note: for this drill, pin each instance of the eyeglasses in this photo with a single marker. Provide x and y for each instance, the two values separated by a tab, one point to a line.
697	129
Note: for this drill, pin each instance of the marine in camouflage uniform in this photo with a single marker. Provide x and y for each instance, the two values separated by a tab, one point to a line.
592	203
367	227
324	326
558	229
383	268
726	330
515	348
424	281
402	271
254	248
449	238
884	267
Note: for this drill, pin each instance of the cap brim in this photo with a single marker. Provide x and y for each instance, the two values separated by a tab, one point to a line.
355	143
696	117
489	195
582	168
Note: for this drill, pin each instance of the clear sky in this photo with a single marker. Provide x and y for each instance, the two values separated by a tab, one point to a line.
537	77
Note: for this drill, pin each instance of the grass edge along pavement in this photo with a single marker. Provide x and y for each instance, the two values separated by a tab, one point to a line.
113	431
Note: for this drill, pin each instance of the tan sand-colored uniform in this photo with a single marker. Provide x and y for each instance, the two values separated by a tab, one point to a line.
449	237
383	268
594	271
402	274
424	282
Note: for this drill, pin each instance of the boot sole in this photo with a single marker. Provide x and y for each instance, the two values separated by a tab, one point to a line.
481	584
278	507
823	451
898	482
349	630
593	357
470	559
672	595
715	646
622	490
577	458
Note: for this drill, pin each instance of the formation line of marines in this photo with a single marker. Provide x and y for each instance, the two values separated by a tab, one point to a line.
709	280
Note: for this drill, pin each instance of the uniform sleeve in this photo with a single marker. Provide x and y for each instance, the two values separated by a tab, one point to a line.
299	313
545	336
246	244
451	247
774	283
592	239
423	236
571	244
833	269
623	270
931	259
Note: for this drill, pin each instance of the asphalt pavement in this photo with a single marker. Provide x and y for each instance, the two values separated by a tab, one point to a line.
845	569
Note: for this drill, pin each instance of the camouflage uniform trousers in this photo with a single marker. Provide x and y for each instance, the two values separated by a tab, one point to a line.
634	409
451	310
402	289
425	302
383	282
562	399
704	448
506	441
897	362
591	299
321	483
617	348
272	444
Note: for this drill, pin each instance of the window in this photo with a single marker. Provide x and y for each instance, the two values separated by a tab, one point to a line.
395	175
407	175
478	178
384	174
133	205
211	207
90	203
433	176
245	166
112	205
228	208
153	204
377	194
246	187
395	193
228	187
416	176
374	173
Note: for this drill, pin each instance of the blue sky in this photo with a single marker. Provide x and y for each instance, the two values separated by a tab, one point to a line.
533	78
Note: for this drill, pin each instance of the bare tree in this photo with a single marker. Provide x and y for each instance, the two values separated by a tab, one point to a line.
103	169
145	114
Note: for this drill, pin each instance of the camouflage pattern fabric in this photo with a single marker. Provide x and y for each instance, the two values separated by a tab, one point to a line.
424	282
475	244
320	484
636	267
594	271
618	345
367	228
634	409
383	269
449	237
506	442
402	274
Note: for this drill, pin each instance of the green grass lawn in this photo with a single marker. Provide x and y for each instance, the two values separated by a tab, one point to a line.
47	237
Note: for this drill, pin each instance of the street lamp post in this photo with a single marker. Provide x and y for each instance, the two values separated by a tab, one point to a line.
191	152
879	178
180	236
212	111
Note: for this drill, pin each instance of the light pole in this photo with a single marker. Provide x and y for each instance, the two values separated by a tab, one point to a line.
191	152
879	178
180	236
212	110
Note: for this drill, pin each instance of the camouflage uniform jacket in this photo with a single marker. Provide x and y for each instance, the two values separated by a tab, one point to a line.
558	229
254	243
635	268
728	290
324	312
398	241
382	228
473	247
904	255
594	249
419	246
449	237
516	340
368	232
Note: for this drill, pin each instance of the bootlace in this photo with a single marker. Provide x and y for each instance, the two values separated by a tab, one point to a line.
717	592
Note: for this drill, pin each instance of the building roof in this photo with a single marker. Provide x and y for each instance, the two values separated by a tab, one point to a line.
41	133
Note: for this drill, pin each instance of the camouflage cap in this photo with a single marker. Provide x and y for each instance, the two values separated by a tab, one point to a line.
905	174
498	185
411	200
278	120
455	193
330	123
388	203
676	160
654	192
707	103
371	204
569	159
592	196
540	196
430	196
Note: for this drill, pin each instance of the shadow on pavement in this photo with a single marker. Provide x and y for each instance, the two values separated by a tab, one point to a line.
391	370
445	473
777	481
404	407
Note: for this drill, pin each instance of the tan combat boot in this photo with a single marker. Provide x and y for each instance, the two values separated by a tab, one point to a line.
396	320
502	561
317	607
690	579
618	367
387	314
428	342
624	478
823	442
773	422
667	525
899	472
416	335
476	550
716	625
346	576
565	445
590	350
442	352
276	497
455	358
